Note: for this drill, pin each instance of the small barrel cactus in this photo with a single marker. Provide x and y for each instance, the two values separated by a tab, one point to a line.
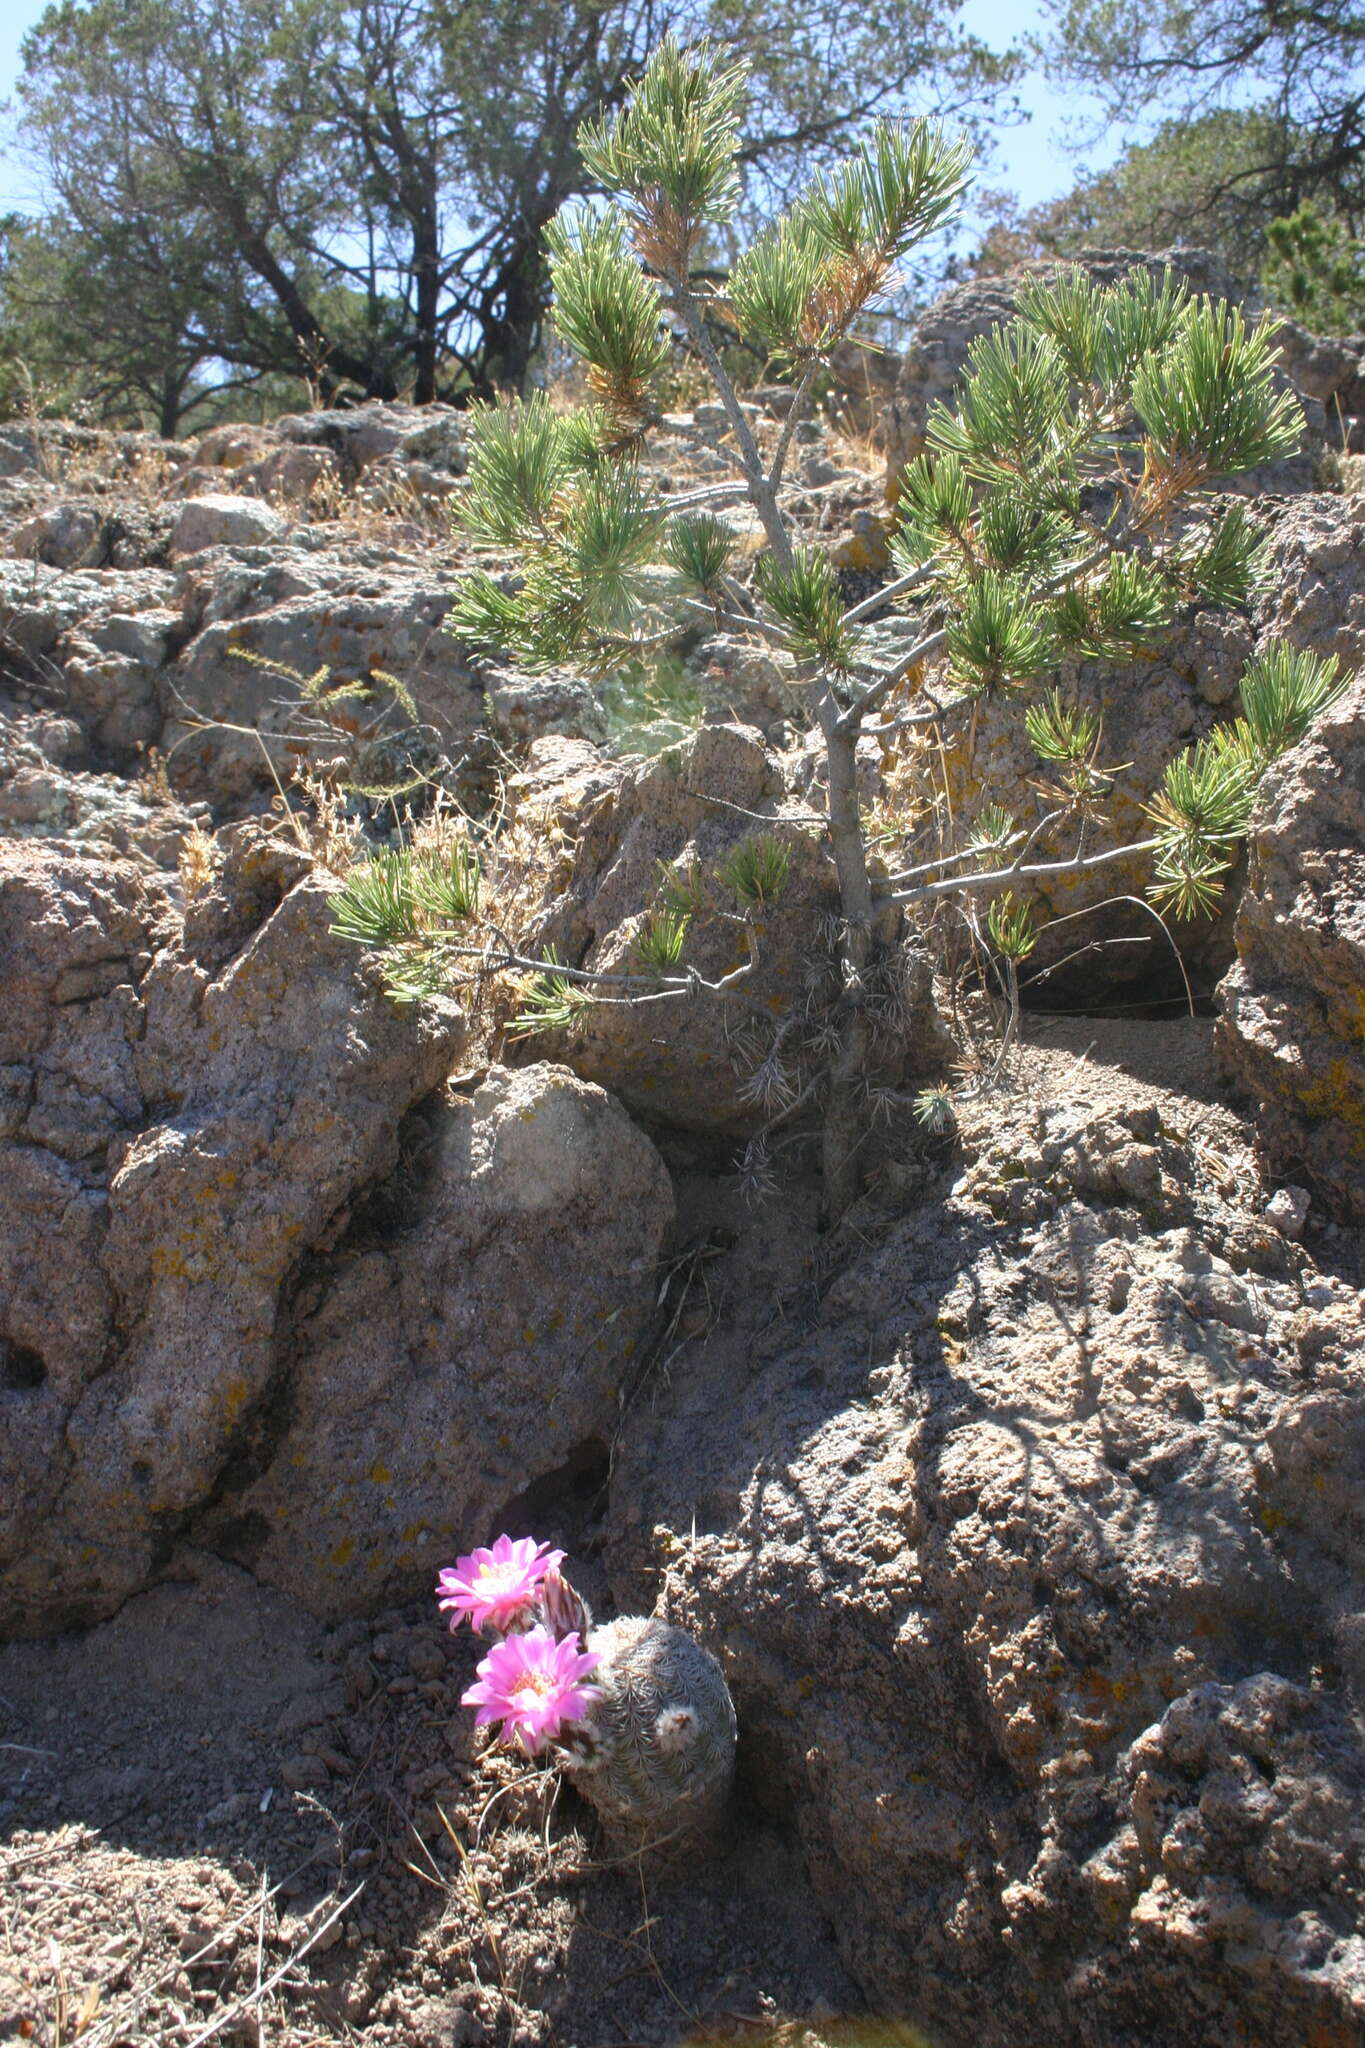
655	1752
641	1717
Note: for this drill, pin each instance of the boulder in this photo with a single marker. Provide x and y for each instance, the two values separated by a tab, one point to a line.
1292	1009
1322	366
383	457
187	1121
1313	594
64	536
43	794
1033	1560
219	520
348	610
59	450
364	435
261	1286
94	640
468	1343
744	683
93	533
524	708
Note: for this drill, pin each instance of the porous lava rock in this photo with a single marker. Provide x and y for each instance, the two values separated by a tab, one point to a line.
266	622
221	519
1292	1008
95	640
1313	590
468	1342
189	1111
45	793
1032	1553
243	1292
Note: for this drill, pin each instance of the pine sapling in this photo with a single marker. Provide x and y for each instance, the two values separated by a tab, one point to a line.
1063	509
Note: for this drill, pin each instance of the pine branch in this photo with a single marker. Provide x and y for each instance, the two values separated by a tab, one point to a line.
999	878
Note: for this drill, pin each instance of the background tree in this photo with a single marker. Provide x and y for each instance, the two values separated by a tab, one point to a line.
1215	182
1296	65
1062	511
106	321
359	188
192	124
1315	270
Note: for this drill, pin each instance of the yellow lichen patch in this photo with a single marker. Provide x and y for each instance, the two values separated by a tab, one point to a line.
380	1473
866	548
1099	1686
344	1552
236	1394
1338	1095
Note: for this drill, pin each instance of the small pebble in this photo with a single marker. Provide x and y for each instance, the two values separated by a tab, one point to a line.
1287	1212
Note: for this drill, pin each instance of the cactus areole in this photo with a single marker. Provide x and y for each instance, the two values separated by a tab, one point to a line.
639	1716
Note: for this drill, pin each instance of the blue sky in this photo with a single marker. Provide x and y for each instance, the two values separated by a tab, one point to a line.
1033	161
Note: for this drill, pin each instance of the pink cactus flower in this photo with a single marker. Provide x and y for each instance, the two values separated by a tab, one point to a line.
532	1685
496	1588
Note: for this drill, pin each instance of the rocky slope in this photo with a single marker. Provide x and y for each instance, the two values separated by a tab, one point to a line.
1024	1510
1035	1558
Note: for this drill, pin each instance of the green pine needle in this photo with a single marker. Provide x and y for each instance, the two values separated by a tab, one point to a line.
683	892
447	886
934	1111
377	907
605	307
1061	732
1016	534
675	144
935	511
658	944
996	637
1013	410
1010	922
550	1002
1207	400
1283	690
521	455
757	870
893	191
1228	562
992	832
699	546
773	287
806	598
